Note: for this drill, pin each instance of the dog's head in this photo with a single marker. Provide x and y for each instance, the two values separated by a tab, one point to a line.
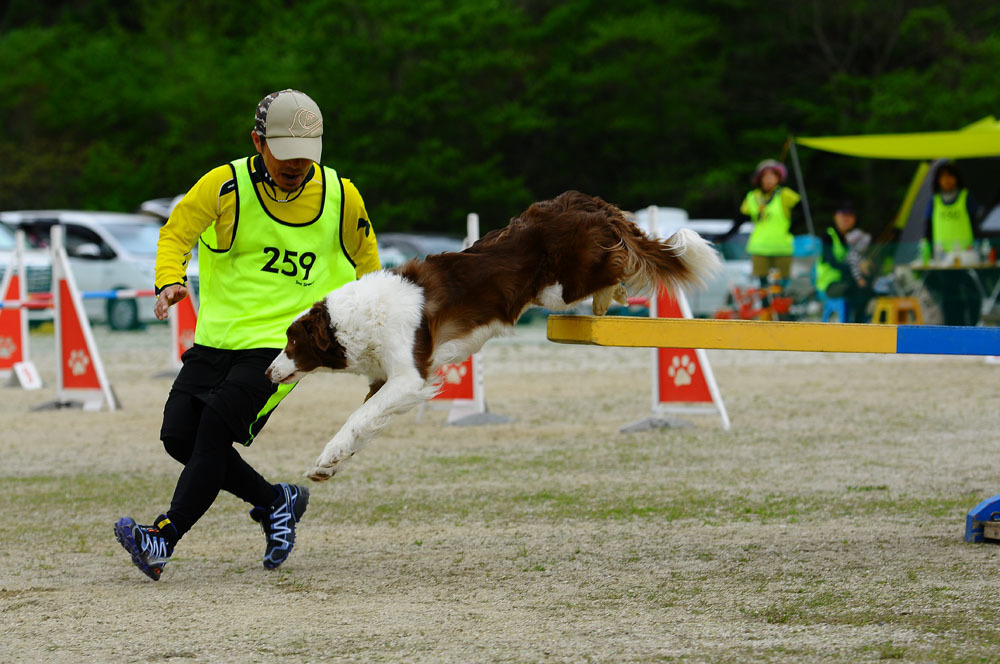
312	344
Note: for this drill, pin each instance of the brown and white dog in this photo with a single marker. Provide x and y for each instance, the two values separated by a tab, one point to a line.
397	327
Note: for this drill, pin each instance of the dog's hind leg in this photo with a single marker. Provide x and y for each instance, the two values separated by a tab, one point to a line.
399	394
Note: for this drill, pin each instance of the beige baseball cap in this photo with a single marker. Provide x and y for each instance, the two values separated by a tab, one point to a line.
292	124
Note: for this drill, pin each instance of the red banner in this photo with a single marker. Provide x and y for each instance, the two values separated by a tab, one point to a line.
11	324
78	367
680	375
183	329
458	381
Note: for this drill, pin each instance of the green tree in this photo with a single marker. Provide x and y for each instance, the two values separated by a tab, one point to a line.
440	108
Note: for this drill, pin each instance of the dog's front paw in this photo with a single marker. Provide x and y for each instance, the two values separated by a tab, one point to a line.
601	302
321	474
327	465
602	298
324	469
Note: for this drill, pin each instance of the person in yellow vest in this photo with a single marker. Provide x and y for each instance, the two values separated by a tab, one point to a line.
842	271
769	206
276	232
951	212
951	225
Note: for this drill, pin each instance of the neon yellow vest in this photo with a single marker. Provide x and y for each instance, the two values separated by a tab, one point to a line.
951	223
273	271
827	274
771	235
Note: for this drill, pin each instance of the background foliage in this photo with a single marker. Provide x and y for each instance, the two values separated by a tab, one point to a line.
443	107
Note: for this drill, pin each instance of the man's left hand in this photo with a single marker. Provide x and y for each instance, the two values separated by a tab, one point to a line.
168	297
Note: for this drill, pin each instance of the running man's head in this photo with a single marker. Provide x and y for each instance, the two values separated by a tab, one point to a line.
288	133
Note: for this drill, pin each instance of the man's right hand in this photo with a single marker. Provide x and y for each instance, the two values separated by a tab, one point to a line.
168	297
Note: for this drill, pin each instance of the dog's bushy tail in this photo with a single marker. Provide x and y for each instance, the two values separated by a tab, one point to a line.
683	259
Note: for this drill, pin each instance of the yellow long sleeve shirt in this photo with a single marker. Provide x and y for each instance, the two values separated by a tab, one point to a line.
213	200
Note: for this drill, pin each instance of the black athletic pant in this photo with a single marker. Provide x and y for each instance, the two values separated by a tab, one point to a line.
215	401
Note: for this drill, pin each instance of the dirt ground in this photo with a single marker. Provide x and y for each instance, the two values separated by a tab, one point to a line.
827	526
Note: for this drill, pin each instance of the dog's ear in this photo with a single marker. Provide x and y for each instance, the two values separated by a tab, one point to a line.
320	333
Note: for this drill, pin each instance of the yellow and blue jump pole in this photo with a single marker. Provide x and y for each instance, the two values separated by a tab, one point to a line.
764	335
982	522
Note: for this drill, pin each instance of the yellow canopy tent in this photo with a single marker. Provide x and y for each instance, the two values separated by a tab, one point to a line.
980	139
977	140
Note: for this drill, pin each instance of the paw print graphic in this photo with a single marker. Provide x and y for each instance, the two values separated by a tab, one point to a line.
78	362
681	369
454	373
7	347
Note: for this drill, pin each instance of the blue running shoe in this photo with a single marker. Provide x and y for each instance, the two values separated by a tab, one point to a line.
150	546
278	520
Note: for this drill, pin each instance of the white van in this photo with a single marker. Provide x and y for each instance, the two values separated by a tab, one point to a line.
107	251
37	269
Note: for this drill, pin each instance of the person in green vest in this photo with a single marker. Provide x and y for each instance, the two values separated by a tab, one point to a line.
842	270
276	232
951	212
769	206
951	223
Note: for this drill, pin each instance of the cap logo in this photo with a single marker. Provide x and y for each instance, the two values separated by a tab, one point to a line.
305	123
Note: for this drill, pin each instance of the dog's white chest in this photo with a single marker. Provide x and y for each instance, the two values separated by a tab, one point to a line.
369	362
375	319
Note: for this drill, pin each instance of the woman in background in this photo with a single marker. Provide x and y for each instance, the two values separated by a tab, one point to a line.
769	206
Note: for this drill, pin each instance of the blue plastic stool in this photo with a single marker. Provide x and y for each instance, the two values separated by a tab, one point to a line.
834	305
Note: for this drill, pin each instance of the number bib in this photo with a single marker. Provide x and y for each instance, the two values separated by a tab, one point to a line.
951	224
272	270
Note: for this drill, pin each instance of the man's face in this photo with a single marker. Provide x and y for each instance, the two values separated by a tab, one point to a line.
845	220
288	174
947	181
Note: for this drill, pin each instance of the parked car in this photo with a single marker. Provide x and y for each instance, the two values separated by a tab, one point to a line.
107	251
160	207
37	269
394	249
390	257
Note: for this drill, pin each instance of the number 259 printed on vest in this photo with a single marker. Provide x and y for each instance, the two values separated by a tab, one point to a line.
292	264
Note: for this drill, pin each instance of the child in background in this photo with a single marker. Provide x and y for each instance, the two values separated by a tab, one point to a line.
858	242
842	271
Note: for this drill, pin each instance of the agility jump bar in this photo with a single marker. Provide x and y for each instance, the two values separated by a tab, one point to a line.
779	335
44	300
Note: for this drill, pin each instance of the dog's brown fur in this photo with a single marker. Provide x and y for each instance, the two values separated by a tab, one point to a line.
579	241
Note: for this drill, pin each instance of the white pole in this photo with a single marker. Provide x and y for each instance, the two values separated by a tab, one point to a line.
471	230
22	291
478	391
654	313
55	246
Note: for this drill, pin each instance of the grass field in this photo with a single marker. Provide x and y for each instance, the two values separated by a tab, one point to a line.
826	527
